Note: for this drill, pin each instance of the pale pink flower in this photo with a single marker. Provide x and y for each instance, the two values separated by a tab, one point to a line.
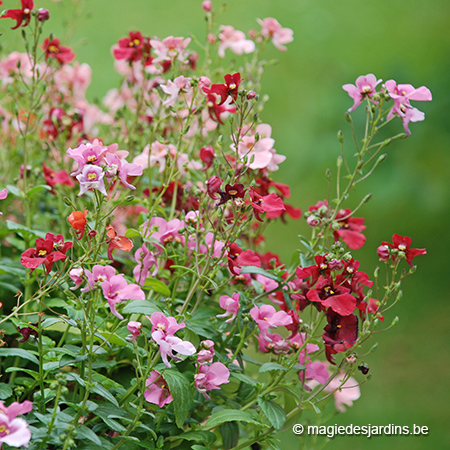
98	275
170	48
206	354
168	325
211	377
157	392
230	305
235	41
91	177
3	195
365	87
402	94
135	328
173	88
146	260
73	80
273	30
317	371
14	431
218	245
169	344
344	394
76	276
163	231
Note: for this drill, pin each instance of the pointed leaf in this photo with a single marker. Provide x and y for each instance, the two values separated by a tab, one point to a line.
273	411
181	391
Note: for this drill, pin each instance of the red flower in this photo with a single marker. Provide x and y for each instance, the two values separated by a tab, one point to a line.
269	203
47	251
133	48
351	229
120	242
207	156
78	221
53	178
340	333
401	245
238	258
231	192
20	15
61	53
230	88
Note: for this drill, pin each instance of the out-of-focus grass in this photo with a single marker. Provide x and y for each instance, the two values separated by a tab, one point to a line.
335	42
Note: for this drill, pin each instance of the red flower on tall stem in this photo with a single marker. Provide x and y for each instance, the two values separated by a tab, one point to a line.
20	15
403	244
53	49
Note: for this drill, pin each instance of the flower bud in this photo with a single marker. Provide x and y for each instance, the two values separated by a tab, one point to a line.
207	6
313	221
211	38
251	95
43	15
363	368
383	253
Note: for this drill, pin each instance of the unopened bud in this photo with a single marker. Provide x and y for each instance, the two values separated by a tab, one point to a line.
382	158
251	95
383	253
207	6
395	321
350	359
92	233
363	368
340	136
43	15
367	198
313	221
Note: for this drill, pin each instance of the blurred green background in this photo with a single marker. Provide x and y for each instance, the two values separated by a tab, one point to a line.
334	43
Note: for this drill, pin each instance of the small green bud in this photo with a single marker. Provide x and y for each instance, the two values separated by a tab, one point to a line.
375	346
382	158
395	321
348	117
340	136
367	198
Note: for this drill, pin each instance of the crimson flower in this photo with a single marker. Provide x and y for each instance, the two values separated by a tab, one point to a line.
350	230
20	15
133	47
53	178
230	88
269	203
47	251
53	49
231	192
207	156
238	258
27	332
402	244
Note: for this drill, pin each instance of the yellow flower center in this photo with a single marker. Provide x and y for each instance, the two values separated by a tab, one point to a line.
92	176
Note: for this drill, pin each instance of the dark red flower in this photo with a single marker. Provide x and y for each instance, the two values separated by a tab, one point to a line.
231	192
269	203
230	88
207	156
27	332
340	333
402	244
53	49
53	178
47	251
350	230
20	15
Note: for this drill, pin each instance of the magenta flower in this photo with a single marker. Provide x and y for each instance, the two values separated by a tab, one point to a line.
157	392
145	261
230	305
168	325
86	154
3	195
135	329
211	377
20	15
91	177
365	87
402	94
267	317
14	431
269	203
98	275
273	30
116	289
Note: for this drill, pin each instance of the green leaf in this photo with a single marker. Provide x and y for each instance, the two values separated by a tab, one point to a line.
181	391
141	307
20	352
269	367
273	411
244	378
199	436
14	190
10	269
5	391
112	338
10	287
132	233
230	415
34	191
86	433
33	373
309	405
259	271
20	229
158	286
100	390
199	447
230	434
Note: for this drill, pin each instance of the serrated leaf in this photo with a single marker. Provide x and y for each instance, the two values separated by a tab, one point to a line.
260	271
244	378
298	366
158	286
273	411
181	391
20	352
230	415
230	434
141	307
269	367
5	391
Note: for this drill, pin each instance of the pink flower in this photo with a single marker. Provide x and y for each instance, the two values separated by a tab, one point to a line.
234	40
206	354
217	245
269	203
266	317
3	195
365	87
169	49
169	343
14	431
211	377
168	325
135	329
230	305
145	261
402	94
344	394
207	6
91	177
76	276
116	289
98	275
279	35
157	392
173	88
163	231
